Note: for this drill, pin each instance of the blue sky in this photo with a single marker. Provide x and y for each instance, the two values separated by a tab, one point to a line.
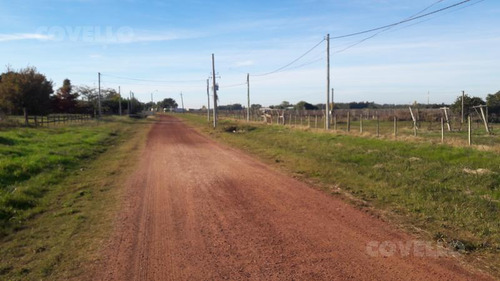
171	42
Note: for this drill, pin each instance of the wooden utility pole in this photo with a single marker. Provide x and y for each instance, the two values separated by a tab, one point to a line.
463	113
128	103
120	100
99	94
248	97
208	100
132	101
327	107
215	91
182	102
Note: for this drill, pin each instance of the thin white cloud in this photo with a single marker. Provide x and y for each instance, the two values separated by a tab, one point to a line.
150	38
23	36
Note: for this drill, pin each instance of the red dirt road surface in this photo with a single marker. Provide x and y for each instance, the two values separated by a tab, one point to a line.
197	210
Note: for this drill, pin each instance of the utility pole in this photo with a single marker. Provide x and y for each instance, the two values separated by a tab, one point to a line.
463	113
131	101
208	100
128	104
182	102
327	107
152	102
99	95
215	91
120	100
248	97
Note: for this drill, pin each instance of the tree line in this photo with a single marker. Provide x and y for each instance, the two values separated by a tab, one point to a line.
28	92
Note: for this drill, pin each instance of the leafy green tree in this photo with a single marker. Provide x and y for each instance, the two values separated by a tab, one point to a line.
493	103
110	102
235	106
469	102
302	105
65	100
89	103
25	91
168	103
284	105
136	106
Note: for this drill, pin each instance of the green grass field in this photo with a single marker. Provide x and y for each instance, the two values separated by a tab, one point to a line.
59	188
451	193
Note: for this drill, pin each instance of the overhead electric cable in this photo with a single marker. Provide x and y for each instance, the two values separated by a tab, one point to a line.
401	22
388	28
291	63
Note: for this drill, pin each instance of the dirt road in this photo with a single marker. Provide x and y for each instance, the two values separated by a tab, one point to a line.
196	210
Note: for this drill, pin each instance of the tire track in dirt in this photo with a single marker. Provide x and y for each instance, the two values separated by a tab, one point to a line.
196	210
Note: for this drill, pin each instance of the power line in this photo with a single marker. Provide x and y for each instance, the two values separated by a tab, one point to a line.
232	86
403	21
388	28
426	20
294	61
385	28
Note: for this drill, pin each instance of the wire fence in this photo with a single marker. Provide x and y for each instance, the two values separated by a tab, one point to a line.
434	125
48	120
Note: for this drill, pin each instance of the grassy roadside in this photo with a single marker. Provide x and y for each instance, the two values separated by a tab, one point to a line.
443	193
73	191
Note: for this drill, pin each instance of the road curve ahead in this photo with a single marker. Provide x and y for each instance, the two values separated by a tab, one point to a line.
197	210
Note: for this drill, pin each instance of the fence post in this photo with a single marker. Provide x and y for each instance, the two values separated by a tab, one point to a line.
378	126
469	130
395	127
316	121
335	122
442	130
348	121
361	123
